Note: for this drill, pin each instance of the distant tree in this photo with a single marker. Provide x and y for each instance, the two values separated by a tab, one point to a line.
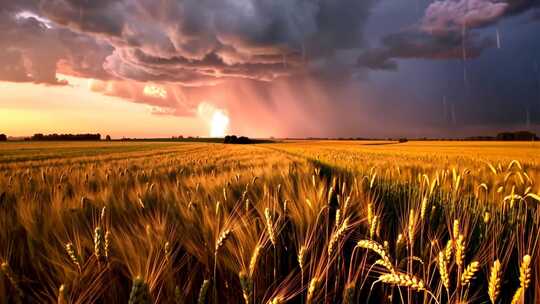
520	135
244	140
66	137
403	140
3	137
108	138
233	139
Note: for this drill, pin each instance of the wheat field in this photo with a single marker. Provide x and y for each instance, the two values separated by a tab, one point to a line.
289	222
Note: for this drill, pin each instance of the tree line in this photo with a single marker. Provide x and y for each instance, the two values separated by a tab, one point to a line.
65	137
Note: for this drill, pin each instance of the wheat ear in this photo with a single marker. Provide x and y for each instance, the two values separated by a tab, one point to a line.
494	281
62	295
404	280
254	259
443	270
337	236
270	226
313	286
139	292
203	291
246	283
99	243
10	275
221	239
524	279
469	273
73	256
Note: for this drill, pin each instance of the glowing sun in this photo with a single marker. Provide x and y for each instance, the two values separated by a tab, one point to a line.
219	124
217	119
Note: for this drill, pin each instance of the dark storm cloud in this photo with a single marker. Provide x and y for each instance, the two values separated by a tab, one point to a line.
101	16
536	15
204	42
35	52
418	44
177	43
446	31
520	6
19	39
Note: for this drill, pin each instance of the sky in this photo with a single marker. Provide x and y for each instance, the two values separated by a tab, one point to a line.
262	68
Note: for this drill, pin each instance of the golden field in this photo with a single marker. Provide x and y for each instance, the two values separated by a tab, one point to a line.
290	222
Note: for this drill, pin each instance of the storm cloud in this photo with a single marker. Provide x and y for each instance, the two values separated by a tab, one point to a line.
259	54
446	31
177	43
204	42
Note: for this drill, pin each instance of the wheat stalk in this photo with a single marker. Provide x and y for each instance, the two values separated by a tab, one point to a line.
338	217
411	226
139	292
337	236
10	275
246	283
302	257
423	208
203	291
373	226
73	256
254	259
443	270
107	246
221	239
377	248
167	250
270	226
384	263
494	281
99	243
469	273
330	195
178	297
524	279
487	217
348	294
313	286
455	229
370	213
525	272
404	280
276	300
399	241
460	250
517	296
62	295
346	204
448	251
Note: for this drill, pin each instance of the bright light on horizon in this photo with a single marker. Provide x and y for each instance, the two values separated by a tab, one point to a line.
219	125
216	119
